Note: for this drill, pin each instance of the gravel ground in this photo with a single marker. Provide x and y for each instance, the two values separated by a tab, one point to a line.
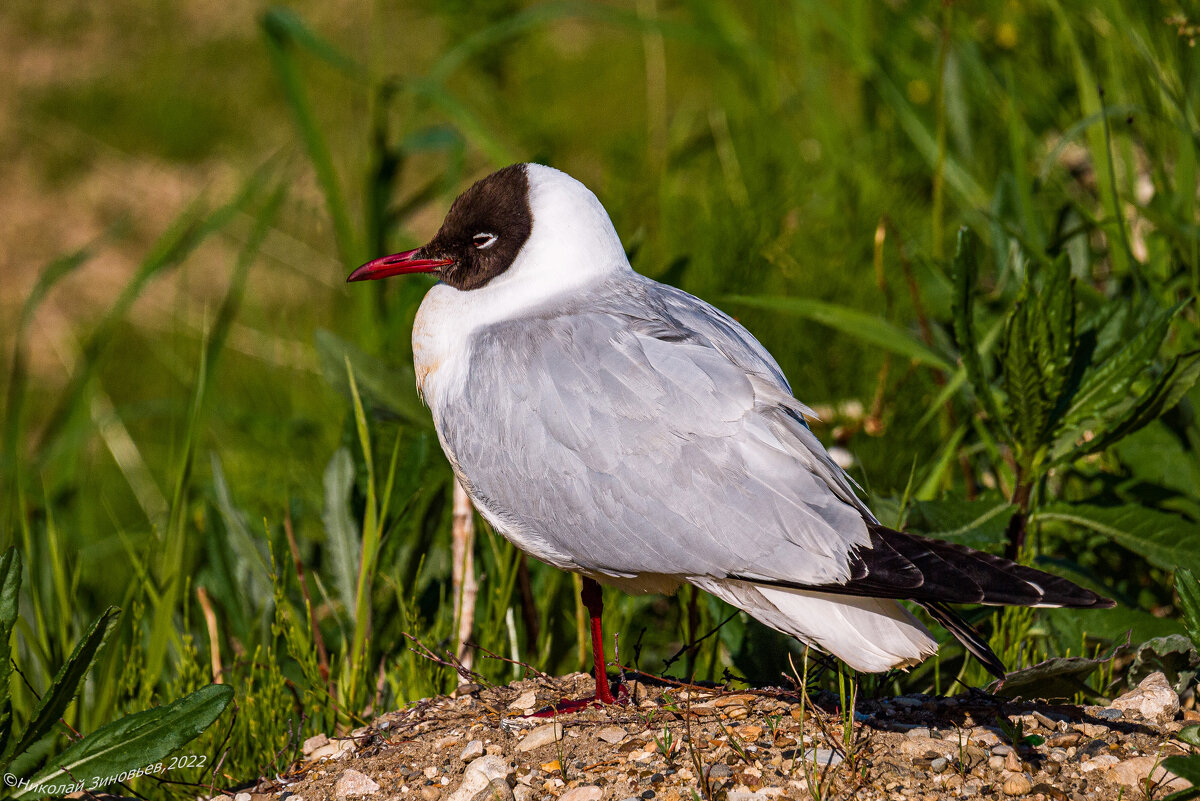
670	741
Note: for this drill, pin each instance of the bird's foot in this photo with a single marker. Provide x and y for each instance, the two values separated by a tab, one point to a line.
598	700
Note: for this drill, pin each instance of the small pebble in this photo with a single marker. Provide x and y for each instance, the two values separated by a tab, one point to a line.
611	734
474	750
1017	784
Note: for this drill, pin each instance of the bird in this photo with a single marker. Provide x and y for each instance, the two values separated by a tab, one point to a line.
620	428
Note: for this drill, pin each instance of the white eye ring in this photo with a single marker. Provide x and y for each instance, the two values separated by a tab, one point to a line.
484	241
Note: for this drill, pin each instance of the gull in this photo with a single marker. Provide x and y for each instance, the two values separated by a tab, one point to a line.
620	428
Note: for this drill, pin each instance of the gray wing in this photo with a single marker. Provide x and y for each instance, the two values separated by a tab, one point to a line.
650	434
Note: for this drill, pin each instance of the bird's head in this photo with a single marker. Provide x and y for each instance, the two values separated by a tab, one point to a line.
525	223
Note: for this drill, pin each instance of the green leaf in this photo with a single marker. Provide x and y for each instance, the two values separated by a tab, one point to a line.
134	742
1189	735
341	534
67	682
966	271
1168	389
1188	590
1185	768
1060	677
1028	408
979	524
859	324
1165	540
1056	333
1109	383
250	562
10	585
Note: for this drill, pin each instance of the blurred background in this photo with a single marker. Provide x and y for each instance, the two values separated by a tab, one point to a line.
204	426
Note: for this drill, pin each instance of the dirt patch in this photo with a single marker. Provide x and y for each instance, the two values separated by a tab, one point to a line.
671	743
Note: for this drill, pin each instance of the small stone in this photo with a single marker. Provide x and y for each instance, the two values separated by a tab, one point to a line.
550	767
430	771
496	790
491	767
1002	750
430	792
1154	699
938	765
313	743
611	734
333	749
242	797
523	792
587	792
823	756
1017	784
1101	762
720	771
474	750
1134	773
542	735
737	712
918	731
525	701
353	783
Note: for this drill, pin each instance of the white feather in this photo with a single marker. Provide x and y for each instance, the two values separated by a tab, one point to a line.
868	634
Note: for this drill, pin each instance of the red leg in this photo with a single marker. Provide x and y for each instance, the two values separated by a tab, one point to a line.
593	600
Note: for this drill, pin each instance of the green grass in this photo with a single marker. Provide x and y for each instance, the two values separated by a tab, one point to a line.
808	172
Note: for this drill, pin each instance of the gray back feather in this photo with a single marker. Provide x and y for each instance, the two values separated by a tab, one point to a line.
641	430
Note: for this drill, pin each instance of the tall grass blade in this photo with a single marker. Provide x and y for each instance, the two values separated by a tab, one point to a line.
859	324
280	28
184	235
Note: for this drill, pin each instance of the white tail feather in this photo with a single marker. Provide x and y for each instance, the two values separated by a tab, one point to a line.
868	634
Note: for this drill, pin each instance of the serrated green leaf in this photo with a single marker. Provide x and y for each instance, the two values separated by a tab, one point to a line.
1109	383
1189	735
1168	389
1028	408
966	271
67	682
1188	590
859	324
1056	335
1165	540
135	741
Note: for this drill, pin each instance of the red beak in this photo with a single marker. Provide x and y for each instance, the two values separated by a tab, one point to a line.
397	264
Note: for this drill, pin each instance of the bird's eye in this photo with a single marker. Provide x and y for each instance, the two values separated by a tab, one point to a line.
484	241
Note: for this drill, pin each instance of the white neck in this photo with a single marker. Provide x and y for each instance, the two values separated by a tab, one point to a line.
572	245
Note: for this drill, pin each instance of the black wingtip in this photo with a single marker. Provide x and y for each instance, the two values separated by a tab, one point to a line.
966	634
